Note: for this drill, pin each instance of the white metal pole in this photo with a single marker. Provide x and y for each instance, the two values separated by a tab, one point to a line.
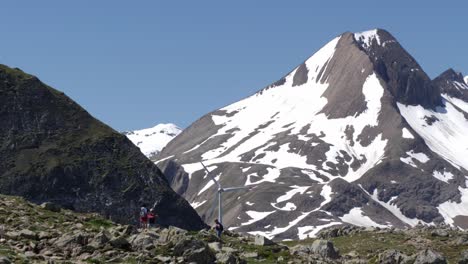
220	209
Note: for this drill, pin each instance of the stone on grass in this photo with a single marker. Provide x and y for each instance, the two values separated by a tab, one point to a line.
428	256
463	257
172	234
250	255
71	239
263	241
120	243
216	246
299	250
28	234
51	207
200	255
324	248
440	233
4	260
100	239
229	258
143	240
392	256
187	244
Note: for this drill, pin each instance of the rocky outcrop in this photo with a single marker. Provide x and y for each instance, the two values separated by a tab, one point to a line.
393	256
429	256
31	234
52	150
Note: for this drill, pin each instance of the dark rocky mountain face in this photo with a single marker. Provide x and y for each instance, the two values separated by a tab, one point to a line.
452	84
356	134
405	79
53	150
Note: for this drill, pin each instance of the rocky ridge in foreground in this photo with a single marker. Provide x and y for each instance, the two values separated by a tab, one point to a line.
48	234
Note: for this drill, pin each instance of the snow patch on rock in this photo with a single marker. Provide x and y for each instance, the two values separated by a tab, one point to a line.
457	102
356	217
446	136
407	133
312	231
195	205
450	209
366	37
256	216
291	193
393	208
421	157
444	176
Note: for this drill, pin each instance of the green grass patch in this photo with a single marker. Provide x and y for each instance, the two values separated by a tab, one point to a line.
98	223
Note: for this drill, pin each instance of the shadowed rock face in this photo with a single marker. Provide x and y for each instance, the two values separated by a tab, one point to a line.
53	150
406	80
330	143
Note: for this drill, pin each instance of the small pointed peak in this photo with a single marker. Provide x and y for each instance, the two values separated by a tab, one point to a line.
450	75
366	38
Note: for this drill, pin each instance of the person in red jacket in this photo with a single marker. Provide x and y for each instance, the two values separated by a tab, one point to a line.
151	218
143	217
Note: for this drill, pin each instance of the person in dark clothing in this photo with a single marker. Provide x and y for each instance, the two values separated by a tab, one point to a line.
219	228
151	218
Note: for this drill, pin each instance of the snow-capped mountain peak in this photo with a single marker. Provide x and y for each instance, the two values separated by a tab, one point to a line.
358	133
366	37
152	140
466	80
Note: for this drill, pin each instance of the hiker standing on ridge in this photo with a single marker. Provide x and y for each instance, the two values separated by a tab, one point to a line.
143	217
219	228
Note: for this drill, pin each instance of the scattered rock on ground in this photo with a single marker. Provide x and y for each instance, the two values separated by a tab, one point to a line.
199	255
51	207
263	241
429	256
392	256
4	260
324	248
463	257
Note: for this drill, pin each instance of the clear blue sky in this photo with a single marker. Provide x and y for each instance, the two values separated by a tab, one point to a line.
133	64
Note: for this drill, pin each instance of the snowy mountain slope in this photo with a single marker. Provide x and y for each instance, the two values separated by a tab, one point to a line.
358	134
152	140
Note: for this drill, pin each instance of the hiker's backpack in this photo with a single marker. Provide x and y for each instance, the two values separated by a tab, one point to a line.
143	212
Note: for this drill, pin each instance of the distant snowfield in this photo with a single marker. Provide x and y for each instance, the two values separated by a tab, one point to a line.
445	136
152	140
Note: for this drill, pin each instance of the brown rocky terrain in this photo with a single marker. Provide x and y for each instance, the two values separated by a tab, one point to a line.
48	234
